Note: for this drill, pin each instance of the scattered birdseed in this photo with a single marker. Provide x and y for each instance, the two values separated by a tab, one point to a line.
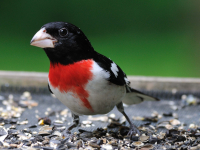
43	121
93	144
143	138
102	118
193	126
86	122
112	116
159	130
26	95
175	122
168	114
138	144
58	121
64	112
189	100
46	128
107	147
23	122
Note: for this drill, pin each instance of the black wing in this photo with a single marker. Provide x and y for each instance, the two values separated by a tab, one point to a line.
119	78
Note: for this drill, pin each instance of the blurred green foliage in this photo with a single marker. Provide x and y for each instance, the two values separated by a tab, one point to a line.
150	38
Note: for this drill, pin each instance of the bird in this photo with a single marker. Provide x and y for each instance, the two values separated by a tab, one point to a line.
87	82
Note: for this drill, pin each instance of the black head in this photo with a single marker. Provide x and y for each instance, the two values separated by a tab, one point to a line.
63	42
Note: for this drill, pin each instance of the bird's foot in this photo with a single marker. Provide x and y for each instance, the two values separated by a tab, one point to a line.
66	134
133	130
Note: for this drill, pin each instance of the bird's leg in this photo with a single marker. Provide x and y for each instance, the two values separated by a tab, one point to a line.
133	128
75	122
66	132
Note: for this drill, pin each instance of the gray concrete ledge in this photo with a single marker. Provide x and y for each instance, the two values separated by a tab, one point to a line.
165	83
16	78
139	82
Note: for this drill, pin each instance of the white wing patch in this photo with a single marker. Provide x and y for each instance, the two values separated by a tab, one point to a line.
127	81
114	69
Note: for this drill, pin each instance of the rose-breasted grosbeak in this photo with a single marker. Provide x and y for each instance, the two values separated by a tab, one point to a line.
87	82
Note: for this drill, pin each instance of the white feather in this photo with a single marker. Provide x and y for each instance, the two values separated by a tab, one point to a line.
114	69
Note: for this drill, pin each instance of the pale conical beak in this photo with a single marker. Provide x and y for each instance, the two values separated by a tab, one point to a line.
43	39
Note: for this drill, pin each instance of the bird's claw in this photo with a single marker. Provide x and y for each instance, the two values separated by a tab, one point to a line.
133	130
66	134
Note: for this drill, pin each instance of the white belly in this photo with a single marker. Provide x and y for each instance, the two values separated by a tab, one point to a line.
103	95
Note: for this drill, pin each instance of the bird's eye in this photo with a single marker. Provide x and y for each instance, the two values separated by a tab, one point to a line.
63	32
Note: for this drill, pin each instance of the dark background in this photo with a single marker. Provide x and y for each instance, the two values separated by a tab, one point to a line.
151	38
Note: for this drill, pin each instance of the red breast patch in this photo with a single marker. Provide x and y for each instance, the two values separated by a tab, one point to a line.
73	78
